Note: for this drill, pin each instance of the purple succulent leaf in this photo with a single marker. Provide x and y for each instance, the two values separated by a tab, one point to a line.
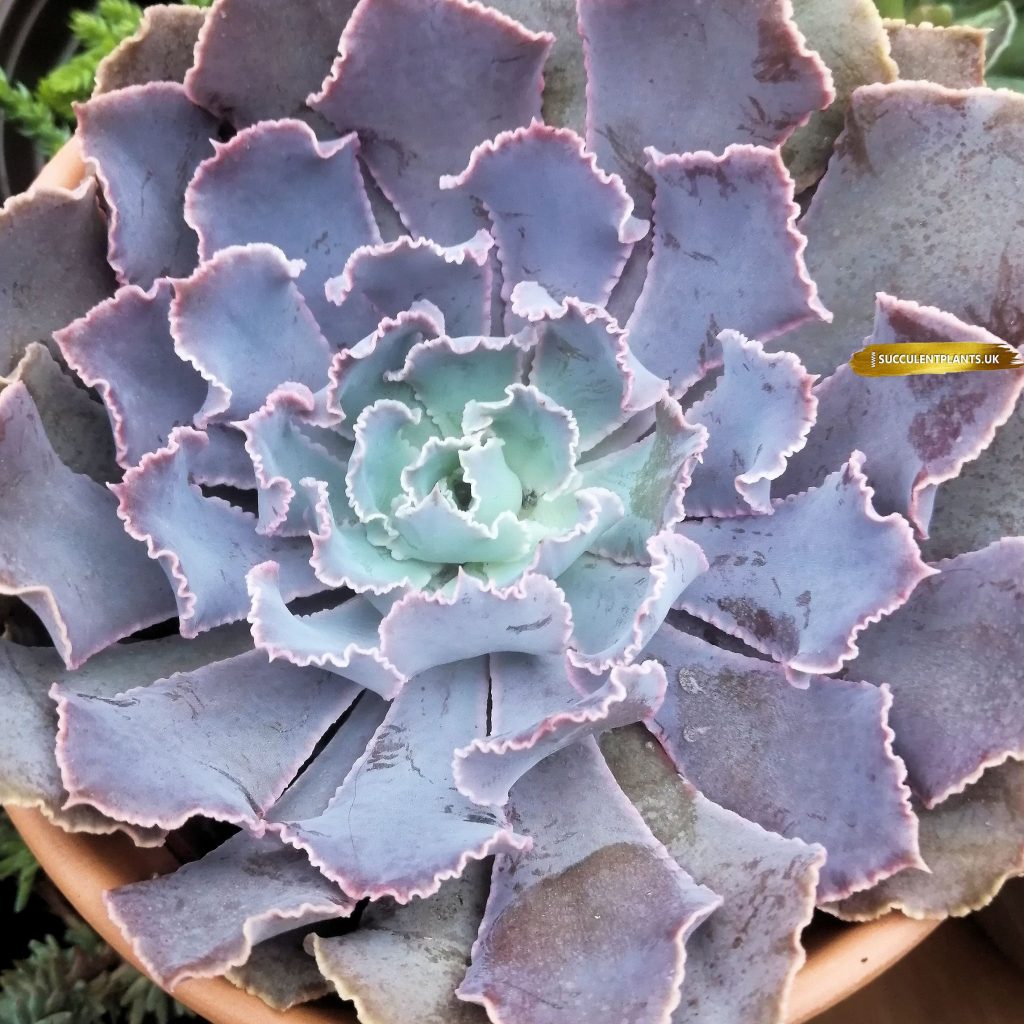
486	769
403	785
276	183
618	607
746	453
179	525
29	776
557	218
343	640
971	842
470	618
222	741
258	59
935	423
89	583
761	587
284	455
952	657
126	136
953	56
405	961
224	460
228	320
741	963
53	265
701	279
414	127
280	972
380	281
650	477
597	873
905	150
717	700
161	50
639	53
75	423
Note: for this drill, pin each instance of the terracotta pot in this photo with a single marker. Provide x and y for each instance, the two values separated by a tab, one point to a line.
841	959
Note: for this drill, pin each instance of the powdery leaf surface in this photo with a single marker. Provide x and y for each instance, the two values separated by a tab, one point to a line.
222	741
952	657
953	56
53	265
89	582
415	126
971	842
740	963
639	53
276	183
595	872
882	219
403	786
727	254
757	415
126	136
934	423
280	972
761	588
859	811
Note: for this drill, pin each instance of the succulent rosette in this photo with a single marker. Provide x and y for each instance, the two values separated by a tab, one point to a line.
464	494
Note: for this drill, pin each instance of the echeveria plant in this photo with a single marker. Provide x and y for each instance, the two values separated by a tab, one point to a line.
479	372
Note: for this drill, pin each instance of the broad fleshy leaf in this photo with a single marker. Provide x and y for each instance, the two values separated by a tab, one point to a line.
952	657
859	810
415	125
280	971
88	582
727	255
126	135
757	416
934	423
953	55
740	964
772	580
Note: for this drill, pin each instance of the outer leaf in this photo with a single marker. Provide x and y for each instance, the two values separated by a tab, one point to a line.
773	583
222	741
639	53
702	278
971	842
53	265
275	183
398	826
89	583
757	415
606	881
741	963
280	972
181	526
126	136
953	56
952	657
934	423
859	810
415	125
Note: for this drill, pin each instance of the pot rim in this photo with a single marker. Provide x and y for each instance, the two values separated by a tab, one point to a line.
84	866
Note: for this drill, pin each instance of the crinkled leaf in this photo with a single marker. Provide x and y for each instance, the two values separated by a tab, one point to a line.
757	415
414	122
642	52
276	183
398	826
741	963
53	265
754	744
727	254
88	582
127	135
934	423
953	55
802	583
280	972
180	526
952	657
